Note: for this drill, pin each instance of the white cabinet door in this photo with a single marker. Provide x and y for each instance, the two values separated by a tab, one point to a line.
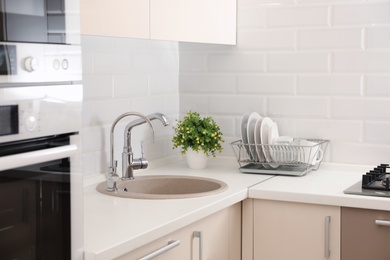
297	231
220	237
119	18
207	21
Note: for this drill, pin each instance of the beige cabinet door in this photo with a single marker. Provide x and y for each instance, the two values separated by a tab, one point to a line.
295	231
365	234
207	21
220	238
119	18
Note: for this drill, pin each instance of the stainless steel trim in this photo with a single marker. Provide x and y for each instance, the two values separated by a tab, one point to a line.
327	237
171	244
198	234
29	158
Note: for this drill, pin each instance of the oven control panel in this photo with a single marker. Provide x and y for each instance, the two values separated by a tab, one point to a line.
39	111
22	63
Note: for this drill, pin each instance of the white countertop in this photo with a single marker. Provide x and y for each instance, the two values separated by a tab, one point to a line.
114	226
324	186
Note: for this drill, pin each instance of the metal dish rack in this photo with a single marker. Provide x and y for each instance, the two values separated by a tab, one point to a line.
291	159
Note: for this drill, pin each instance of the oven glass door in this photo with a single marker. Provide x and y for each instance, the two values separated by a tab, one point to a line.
39	21
35	205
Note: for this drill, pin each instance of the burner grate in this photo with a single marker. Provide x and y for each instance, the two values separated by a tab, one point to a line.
377	179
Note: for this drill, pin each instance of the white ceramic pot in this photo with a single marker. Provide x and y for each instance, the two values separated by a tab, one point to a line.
196	160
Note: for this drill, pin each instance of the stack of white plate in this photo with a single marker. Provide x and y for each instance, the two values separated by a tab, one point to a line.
256	131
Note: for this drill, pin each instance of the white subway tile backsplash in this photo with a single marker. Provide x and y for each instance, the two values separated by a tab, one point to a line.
163	84
172	102
236	62
226	124
112	62
130	85
329	84
378	37
236	104
148	105
361	14
350	38
377	132
97	87
304	62
266	84
358	108
361	61
200	83
302	107
298	16
359	153
100	112
377	85
198	103
251	17
319	68
346	130
192	62
265	39
149	62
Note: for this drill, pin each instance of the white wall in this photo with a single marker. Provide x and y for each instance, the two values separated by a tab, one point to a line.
122	75
319	68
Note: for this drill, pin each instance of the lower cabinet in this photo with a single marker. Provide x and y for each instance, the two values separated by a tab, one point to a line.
286	230
365	234
217	236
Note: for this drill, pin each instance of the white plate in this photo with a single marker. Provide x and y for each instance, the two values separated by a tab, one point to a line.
243	128
273	134
253	117
265	130
259	149
244	132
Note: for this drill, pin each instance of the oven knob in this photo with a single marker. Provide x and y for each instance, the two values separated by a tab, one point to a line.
31	123
31	64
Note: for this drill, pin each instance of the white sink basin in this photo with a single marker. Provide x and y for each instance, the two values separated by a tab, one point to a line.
165	187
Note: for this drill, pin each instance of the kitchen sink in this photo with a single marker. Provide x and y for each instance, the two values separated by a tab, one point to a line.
165	187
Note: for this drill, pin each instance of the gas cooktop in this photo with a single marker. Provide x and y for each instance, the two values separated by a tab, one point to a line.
375	182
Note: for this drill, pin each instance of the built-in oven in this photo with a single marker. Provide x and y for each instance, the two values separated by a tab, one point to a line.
41	211
40	172
39	21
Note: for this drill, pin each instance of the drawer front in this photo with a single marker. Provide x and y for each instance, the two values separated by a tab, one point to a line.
365	234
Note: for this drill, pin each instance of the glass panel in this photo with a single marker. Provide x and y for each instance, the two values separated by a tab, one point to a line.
26	7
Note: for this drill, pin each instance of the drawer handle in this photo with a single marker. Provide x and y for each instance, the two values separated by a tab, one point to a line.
171	244
198	234
327	237
385	223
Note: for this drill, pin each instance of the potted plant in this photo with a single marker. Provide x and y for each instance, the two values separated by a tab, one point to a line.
198	138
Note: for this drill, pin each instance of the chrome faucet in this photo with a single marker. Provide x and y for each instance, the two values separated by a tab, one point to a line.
129	164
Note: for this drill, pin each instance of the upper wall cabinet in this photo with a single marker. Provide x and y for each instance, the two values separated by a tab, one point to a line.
121	18
205	21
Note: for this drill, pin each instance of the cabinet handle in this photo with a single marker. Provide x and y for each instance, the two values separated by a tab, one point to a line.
198	234
327	237
171	244
385	223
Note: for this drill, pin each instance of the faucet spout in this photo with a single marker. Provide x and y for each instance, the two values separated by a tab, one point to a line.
164	120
